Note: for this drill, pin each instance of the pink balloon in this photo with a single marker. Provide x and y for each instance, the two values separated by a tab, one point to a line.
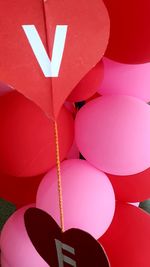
113	134
125	79
16	246
88	197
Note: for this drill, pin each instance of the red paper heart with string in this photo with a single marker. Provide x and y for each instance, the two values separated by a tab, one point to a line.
47	47
73	247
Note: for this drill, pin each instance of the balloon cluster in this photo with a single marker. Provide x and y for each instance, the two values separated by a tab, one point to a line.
111	131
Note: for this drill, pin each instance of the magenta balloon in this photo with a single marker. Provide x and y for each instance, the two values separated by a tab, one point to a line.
88	197
16	246
73	152
4	262
125	79
113	134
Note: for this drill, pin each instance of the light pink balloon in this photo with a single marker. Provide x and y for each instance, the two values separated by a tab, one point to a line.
113	134
16	246
88	197
124	79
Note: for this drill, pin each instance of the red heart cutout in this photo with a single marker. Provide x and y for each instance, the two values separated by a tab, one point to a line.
71	248
86	40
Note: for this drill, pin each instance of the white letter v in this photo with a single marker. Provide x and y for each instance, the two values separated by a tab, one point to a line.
49	67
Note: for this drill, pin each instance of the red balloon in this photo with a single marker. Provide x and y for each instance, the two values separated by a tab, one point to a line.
85	43
20	191
89	85
27	143
127	241
129	35
132	188
96	95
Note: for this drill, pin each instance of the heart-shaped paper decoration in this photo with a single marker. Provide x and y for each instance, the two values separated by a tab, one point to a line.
71	248
81	39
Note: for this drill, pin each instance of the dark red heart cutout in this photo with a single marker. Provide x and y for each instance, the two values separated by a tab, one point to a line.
74	246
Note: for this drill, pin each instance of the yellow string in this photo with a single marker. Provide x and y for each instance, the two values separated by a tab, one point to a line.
59	178
56	141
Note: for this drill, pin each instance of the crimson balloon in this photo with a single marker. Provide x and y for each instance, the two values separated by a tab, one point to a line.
131	188
27	143
127	240
129	35
88	86
19	190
